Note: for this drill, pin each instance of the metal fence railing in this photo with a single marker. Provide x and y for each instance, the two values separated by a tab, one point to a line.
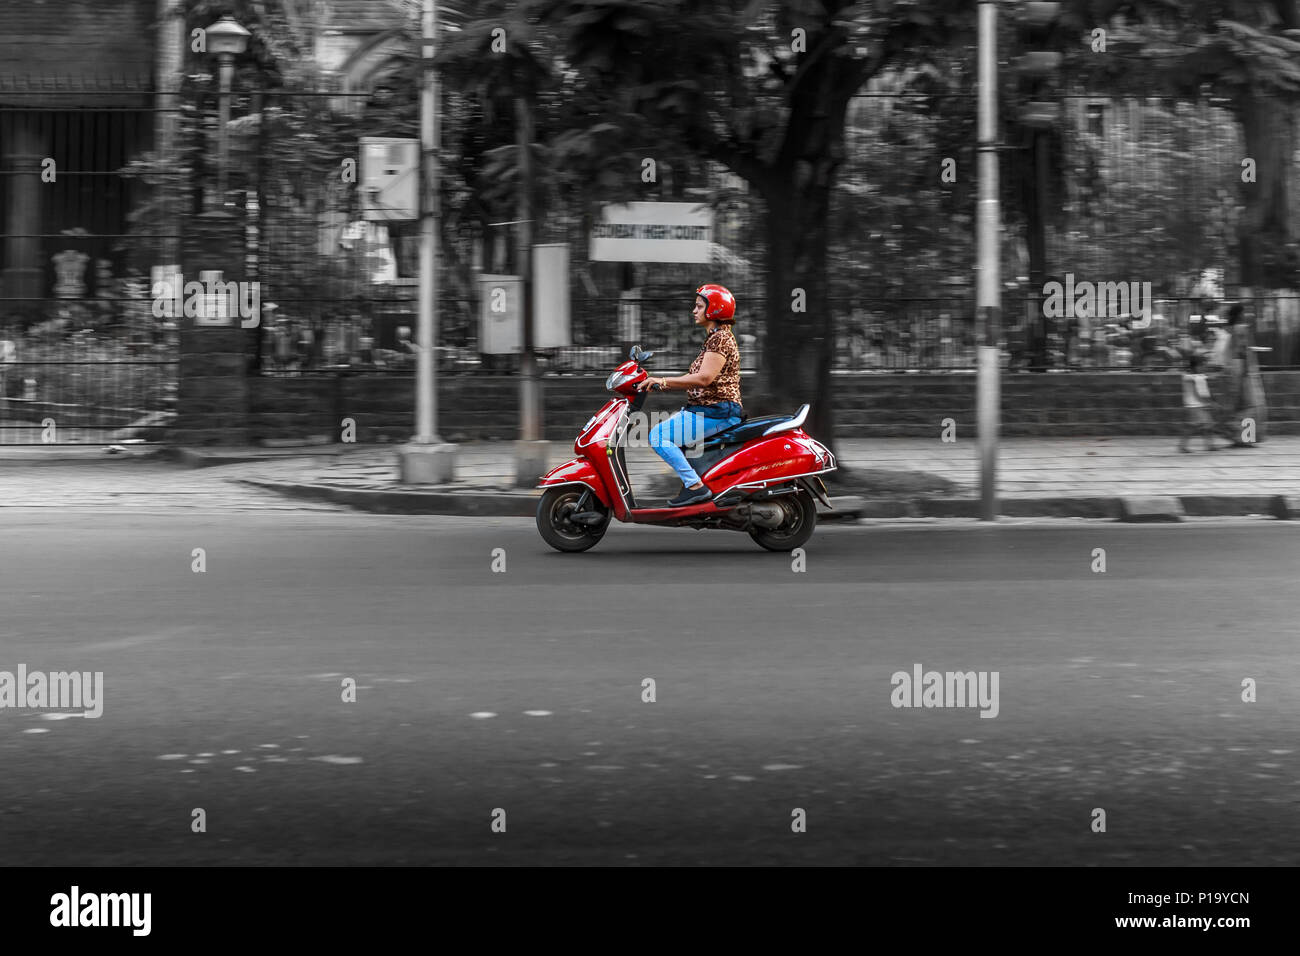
82	357
1158	341
88	389
871	335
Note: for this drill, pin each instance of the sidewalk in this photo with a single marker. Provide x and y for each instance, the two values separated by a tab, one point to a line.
1132	478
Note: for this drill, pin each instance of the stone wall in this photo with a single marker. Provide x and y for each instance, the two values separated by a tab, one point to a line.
1043	405
483	407
383	406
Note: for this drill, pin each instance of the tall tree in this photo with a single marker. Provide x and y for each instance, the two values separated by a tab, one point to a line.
507	57
1247	51
762	87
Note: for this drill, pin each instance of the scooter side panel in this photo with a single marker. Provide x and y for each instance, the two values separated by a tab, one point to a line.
599	427
784	455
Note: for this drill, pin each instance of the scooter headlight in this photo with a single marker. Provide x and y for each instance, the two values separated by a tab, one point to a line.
616	379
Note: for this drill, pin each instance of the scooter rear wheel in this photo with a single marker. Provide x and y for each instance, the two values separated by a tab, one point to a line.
799	524
553	512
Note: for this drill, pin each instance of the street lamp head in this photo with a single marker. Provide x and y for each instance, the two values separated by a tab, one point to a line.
226	36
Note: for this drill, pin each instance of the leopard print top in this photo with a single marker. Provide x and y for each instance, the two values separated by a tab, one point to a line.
726	387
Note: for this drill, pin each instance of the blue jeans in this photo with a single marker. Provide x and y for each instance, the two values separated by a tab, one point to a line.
692	424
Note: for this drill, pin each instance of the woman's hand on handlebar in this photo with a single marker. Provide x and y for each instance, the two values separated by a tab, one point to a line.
651	383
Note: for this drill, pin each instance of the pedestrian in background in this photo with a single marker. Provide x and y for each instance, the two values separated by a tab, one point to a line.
1243	393
1196	402
11	385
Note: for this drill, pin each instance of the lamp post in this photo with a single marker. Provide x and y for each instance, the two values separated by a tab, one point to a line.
427	459
227	39
988	294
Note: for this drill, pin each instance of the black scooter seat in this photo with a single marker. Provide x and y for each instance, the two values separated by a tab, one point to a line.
745	431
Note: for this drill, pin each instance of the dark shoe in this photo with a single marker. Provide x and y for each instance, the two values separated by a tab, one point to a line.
691	497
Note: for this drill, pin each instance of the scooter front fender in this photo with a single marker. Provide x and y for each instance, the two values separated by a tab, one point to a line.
578	471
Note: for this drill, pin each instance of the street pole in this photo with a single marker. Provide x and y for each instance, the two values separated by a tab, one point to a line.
531	452
426	386
529	427
171	67
227	73
988	278
1037	225
426	459
225	39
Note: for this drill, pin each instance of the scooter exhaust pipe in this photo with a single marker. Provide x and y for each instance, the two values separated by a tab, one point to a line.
758	515
736	496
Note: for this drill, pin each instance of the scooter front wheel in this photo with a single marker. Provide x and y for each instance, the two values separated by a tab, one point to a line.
554	513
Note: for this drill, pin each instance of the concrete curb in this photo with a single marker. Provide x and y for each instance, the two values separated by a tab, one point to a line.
198	458
523	504
1208	505
947	507
1152	508
485	504
62	454
1062	507
1054	507
885	508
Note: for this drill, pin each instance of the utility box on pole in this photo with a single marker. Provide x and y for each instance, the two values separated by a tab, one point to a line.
551	322
389	178
501	315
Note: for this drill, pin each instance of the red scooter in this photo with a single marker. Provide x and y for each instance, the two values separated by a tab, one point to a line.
763	474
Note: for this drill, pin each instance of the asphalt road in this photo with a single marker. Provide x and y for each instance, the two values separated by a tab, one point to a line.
522	691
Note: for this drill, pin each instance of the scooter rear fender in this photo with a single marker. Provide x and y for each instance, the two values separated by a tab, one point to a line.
769	461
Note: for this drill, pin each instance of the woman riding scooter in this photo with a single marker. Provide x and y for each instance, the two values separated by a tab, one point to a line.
713	387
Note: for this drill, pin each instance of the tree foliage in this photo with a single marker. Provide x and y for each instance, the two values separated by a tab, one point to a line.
838	118
1243	52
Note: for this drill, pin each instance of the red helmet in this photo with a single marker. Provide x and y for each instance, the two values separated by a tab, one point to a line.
719	304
